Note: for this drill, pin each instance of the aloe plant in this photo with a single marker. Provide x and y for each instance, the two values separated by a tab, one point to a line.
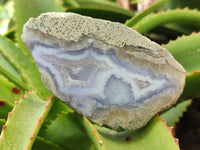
32	118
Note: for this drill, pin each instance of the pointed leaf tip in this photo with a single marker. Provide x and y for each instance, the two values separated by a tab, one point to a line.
24	122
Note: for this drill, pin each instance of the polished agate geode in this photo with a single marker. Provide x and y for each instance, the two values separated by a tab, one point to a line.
104	70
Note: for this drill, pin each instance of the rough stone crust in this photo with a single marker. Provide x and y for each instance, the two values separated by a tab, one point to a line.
71	27
69	31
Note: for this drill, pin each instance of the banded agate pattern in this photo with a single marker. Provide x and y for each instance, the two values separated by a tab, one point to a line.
112	83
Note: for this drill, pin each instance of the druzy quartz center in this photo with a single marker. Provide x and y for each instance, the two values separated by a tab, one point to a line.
113	82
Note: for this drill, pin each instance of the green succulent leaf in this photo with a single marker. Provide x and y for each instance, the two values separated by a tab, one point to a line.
192	86
2	122
181	16
156	135
18	82
9	91
103	4
178	29
101	13
26	67
71	3
66	130
173	115
5	107
32	8
58	108
102	9
186	50
192	4
144	13
6	65
24	122
42	144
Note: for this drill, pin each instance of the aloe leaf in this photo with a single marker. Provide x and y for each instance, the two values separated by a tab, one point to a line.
9	91
100	9
164	33
173	30
11	33
71	3
93	134
182	4
2	122
24	122
58	108
186	50
101	13
181	16
6	65
13	79
173	115
106	5
192	86
5	107
42	144
69	131
32	8
105	139
146	12
26	67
